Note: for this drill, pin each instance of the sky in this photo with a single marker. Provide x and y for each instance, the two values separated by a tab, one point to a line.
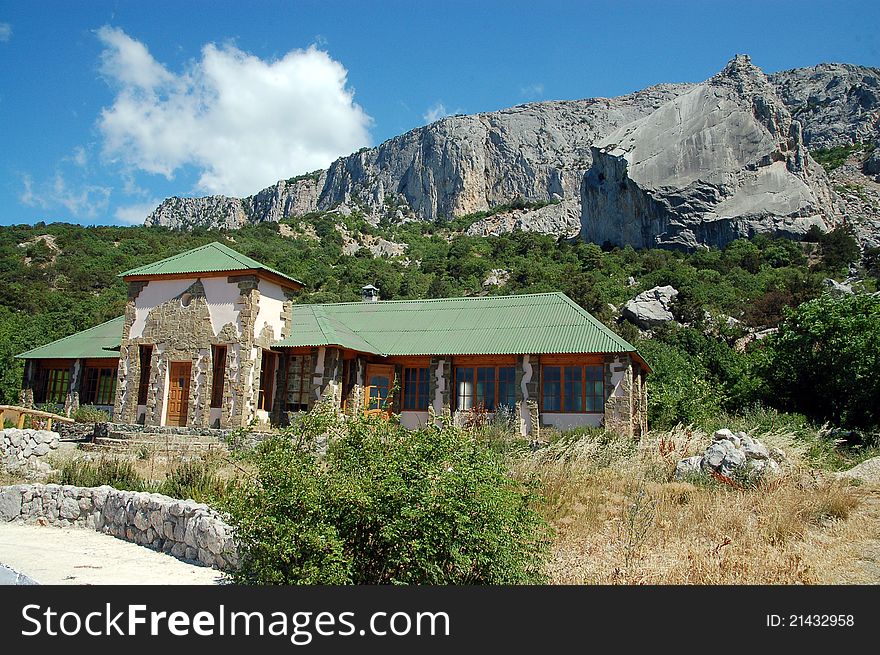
108	107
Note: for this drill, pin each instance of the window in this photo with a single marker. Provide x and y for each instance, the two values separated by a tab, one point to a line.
146	358
573	389
218	357
267	372
415	389
98	386
299	373
53	385
485	387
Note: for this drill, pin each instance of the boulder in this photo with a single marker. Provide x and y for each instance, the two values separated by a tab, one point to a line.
732	455
652	307
836	288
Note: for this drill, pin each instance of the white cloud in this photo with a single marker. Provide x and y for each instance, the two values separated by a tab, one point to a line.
243	122
135	214
85	201
532	91
435	112
80	157
5	32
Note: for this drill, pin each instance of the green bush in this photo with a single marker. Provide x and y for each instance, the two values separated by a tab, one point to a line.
385	506
196	480
824	361
117	473
90	414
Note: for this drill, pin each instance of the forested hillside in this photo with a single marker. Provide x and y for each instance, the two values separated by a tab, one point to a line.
58	278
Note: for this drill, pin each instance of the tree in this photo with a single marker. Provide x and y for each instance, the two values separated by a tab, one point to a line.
824	361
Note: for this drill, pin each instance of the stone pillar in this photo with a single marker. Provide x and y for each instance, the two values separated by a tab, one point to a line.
528	376
441	386
619	394
354	402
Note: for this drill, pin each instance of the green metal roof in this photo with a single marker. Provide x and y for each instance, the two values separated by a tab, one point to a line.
100	341
486	325
211	258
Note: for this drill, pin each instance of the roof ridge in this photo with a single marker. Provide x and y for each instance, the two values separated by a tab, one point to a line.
168	259
412	300
595	321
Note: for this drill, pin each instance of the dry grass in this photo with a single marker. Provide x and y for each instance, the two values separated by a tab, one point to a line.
620	517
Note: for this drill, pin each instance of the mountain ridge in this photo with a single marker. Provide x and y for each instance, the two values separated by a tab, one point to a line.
537	152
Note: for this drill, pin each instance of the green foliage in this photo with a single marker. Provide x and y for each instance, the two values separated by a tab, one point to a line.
196	480
386	506
90	414
825	358
831	158
839	249
118	473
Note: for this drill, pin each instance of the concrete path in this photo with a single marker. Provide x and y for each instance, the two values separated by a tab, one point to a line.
77	556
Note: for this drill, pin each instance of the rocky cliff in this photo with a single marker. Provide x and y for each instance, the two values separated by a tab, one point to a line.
458	165
724	160
719	186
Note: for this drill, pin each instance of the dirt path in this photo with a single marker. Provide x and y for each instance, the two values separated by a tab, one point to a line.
862	562
50	555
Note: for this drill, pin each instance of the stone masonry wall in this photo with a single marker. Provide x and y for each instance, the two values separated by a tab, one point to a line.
25	449
183	528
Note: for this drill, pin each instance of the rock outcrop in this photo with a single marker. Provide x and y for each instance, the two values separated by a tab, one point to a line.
736	456
838	104
651	308
724	160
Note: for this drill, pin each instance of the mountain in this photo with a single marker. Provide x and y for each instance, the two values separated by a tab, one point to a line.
724	160
540	152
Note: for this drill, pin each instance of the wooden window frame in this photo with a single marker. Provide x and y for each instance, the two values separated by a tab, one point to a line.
562	365
54	394
476	365
218	374
422	401
145	354
267	379
93	391
305	384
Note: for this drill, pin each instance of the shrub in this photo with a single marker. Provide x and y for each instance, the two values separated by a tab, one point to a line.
117	473
196	480
90	414
385	506
824	361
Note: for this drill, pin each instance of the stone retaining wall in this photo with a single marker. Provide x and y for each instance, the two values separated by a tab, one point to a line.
183	528
23	449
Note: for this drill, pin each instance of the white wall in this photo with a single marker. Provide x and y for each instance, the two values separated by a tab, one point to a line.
413	420
271	309
568	421
221	296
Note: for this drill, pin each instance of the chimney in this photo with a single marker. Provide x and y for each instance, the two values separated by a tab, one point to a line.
369	293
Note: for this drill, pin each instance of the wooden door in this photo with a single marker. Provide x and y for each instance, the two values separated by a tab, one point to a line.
377	396
178	393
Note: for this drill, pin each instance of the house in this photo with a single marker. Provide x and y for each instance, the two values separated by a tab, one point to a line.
212	338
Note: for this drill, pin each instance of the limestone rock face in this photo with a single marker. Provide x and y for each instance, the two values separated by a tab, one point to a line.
455	166
561	218
286	198
837	104
652	307
724	160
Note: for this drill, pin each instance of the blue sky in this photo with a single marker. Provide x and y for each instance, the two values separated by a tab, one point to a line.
108	107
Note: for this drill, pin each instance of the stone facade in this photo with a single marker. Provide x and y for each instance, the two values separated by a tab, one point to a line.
183	528
184	325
